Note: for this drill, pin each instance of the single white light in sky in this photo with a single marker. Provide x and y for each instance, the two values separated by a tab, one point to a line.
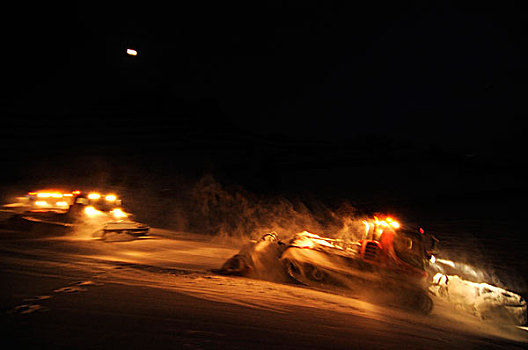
131	52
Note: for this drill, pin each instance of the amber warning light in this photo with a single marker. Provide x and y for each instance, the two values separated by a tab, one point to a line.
131	52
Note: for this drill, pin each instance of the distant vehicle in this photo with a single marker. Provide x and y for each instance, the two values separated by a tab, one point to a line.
54	211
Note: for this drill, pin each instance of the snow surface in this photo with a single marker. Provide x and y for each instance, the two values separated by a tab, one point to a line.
172	270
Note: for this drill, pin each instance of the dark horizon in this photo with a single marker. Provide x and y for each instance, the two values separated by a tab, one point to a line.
371	102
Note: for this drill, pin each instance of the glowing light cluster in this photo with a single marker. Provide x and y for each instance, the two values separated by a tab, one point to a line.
387	222
46	199
119	213
380	224
53	194
108	197
91	211
49	195
62	204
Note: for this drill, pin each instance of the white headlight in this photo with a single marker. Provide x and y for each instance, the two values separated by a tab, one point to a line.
91	211
118	213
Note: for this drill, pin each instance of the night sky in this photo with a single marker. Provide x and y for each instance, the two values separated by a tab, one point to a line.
305	96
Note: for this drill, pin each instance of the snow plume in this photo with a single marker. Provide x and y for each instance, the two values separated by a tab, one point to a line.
238	213
478	252
89	228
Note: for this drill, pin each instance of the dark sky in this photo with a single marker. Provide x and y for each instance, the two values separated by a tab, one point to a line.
316	69
435	76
